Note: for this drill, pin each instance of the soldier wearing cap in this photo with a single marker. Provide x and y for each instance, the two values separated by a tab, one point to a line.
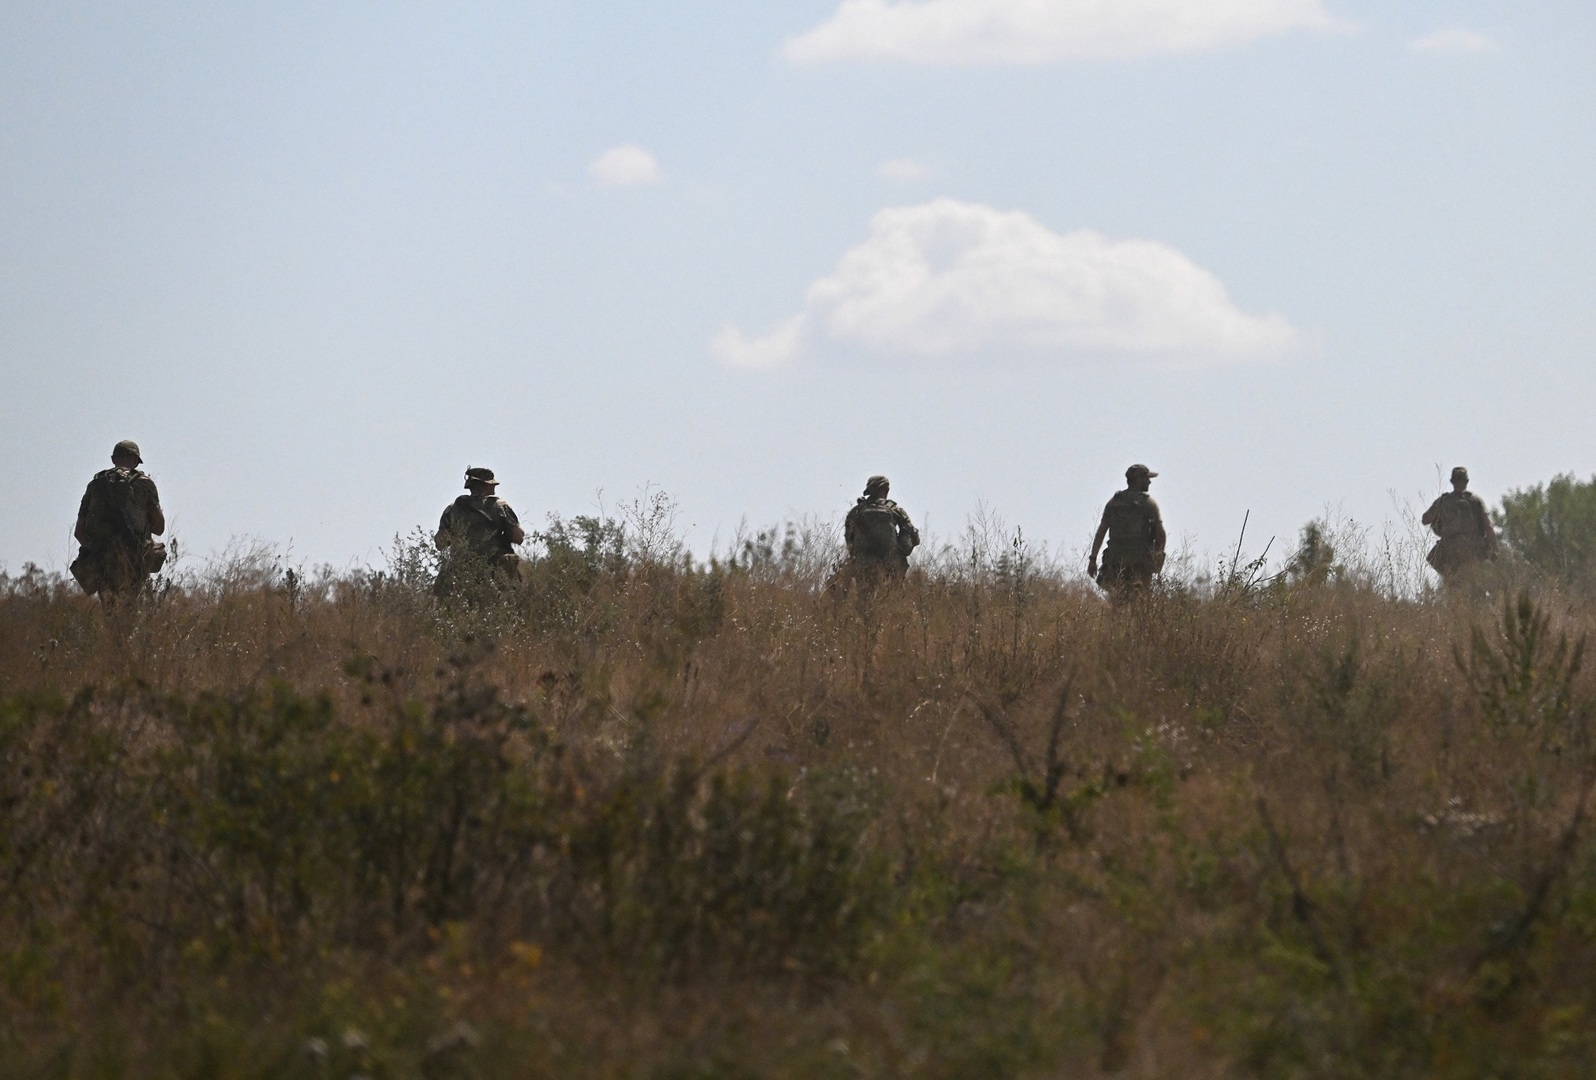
879	534
1135	532
118	519
1461	521
481	525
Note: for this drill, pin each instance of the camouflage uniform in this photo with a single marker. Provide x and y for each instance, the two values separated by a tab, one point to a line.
116	525
1463	524
1135	530
480	526
479	523
879	534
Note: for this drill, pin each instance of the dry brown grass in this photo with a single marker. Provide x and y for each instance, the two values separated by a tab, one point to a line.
1274	831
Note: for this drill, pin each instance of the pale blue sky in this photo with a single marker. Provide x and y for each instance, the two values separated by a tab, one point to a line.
317	261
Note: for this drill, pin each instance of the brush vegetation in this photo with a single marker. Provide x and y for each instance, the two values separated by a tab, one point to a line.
643	816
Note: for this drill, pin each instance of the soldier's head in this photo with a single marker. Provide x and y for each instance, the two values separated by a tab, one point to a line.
480	481
1139	477
877	487
1460	478
125	455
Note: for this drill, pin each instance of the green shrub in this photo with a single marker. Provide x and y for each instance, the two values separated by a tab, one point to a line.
713	820
740	867
1552	526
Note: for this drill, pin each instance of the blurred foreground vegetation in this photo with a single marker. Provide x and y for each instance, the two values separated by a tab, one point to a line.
641	816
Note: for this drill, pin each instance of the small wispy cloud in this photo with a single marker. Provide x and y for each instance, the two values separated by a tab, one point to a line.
970	32
732	347
1453	39
625	166
948	278
902	171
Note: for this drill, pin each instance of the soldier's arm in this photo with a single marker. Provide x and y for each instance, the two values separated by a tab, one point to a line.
512	525
1428	518
906	527
849	528
1097	543
1156	527
445	534
80	527
1487	529
155	517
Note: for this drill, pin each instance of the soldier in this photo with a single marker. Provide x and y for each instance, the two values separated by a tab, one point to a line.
1136	539
1460	519
118	520
879	534
479	525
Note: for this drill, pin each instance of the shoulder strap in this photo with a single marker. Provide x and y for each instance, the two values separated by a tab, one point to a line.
468	505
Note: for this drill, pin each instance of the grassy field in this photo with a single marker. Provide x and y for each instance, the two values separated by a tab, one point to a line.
644	817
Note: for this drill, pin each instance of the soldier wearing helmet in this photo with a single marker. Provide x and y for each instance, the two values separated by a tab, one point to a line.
1135	532
1461	521
118	519
878	534
479	527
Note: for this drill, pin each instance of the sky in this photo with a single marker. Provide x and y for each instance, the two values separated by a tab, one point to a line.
1295	255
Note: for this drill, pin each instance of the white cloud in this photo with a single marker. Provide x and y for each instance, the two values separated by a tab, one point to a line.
963	32
902	171
948	277
625	166
1453	39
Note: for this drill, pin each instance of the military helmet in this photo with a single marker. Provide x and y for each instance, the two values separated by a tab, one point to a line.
477	475
1139	470
877	483
1460	473
127	448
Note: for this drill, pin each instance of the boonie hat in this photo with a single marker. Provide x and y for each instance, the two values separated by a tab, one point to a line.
877	483
480	476
1460	473
127	446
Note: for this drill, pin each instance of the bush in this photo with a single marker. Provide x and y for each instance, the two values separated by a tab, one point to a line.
1552	527
267	825
686	819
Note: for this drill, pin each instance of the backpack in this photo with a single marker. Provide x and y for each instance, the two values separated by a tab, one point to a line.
1130	522
111	510
483	526
876	528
